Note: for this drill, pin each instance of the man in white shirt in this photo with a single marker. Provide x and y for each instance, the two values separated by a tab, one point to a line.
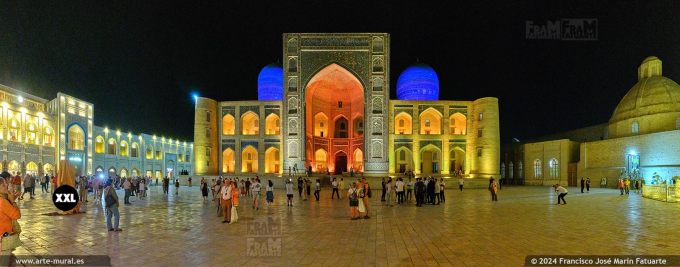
400	190
460	184
562	192
334	184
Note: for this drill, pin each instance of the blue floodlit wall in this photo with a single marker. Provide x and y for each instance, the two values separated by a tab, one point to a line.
418	82
270	83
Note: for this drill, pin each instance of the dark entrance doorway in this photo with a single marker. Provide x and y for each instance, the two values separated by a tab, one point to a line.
340	163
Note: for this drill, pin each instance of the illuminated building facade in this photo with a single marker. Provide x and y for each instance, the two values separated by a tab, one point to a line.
641	140
334	115
36	133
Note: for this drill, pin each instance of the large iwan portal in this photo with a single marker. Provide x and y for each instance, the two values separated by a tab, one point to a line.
334	103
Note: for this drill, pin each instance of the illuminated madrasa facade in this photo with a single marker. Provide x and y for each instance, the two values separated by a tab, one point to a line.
328	108
36	133
641	140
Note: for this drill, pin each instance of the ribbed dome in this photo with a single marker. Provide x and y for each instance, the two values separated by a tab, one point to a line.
270	83
418	82
652	94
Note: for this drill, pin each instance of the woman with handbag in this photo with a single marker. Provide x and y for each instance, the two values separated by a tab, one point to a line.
234	203
9	226
353	197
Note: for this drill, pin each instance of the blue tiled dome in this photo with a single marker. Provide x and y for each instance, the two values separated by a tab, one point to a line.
418	82
270	83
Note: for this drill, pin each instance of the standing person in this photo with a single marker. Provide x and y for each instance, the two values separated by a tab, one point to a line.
588	185
384	190
255	191
420	192
562	192
299	185
493	188
189	180
409	189
583	184
442	186
225	197
289	193
270	193
353	197
317	189
431	190
399	185
365	196
44	182
142	189
341	187
637	186
460	183
234	202
621	186
437	189
334	184
361	192
54	183
248	183
389	185
127	186
204	190
111	202
16	181
176	186
308	187
156	180
28	182
627	185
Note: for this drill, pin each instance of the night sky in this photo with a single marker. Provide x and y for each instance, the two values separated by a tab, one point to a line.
137	63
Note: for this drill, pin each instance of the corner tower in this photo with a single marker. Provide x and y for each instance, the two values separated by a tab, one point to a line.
205	137
484	138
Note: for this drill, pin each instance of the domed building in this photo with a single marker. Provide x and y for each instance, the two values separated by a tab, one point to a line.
418	82
640	142
328	110
270	83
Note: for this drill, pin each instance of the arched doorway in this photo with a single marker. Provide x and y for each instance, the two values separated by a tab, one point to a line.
358	160
228	161
340	162
271	160
429	159
334	93
48	169
13	167
249	160
404	160
457	160
32	168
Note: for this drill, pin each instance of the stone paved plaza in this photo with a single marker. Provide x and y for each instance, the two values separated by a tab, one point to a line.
468	230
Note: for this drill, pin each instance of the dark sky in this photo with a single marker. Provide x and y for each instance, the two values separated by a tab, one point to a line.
138	62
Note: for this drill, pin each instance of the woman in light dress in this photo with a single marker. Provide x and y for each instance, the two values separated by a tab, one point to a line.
360	192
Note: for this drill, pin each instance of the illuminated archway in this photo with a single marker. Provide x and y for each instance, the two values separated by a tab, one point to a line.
250	123
340	163
32	168
457	124
321	160
13	167
272	160
249	160
228	162
272	124
124	149
334	103
228	125
134	150
99	145
32	134
48	169
149	152
457	160
358	160
403	123
123	173
430	121
404	160
430	158
321	125
76	138
47	136
111	150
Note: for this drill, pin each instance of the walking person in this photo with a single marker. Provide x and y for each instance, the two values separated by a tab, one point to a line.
300	184
334	184
637	186
493	188
270	193
44	181
111	203
255	191
142	189
627	185
384	190
176	186
562	192
588	185
583	184
621	186
234	202
317	189
353	197
341	187
204	190
225	197
289	193
460	183
308	188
